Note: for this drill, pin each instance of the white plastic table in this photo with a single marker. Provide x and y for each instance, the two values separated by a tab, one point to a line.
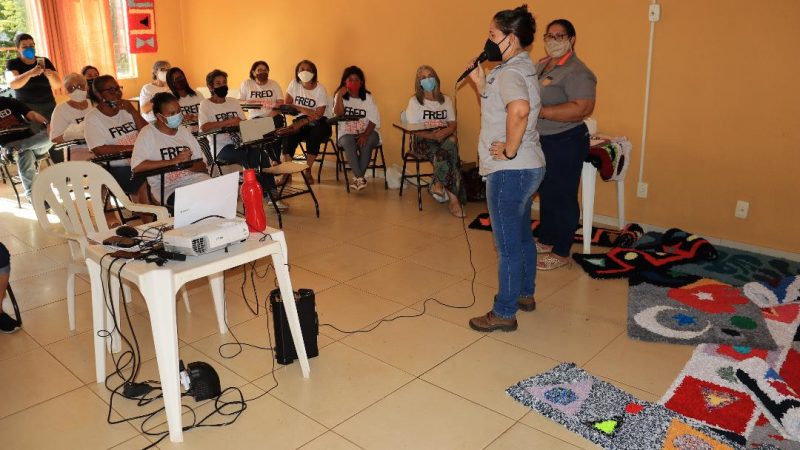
159	285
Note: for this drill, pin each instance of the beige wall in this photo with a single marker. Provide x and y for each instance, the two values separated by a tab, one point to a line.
724	102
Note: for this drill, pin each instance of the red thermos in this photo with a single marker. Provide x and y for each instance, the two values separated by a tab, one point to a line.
253	198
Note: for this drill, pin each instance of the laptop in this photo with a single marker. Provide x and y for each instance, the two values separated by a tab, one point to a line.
254	129
209	198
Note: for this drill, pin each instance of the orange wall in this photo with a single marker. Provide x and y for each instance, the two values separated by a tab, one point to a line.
723	103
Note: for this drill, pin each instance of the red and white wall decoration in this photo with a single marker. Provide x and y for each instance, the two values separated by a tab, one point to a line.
142	26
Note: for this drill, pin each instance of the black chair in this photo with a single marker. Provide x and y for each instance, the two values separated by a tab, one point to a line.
110	202
418	178
66	147
162	172
7	160
211	150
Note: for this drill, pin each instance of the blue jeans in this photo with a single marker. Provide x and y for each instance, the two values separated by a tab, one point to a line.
28	151
509	195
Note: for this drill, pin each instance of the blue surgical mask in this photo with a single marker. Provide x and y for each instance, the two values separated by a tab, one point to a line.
428	84
29	52
174	121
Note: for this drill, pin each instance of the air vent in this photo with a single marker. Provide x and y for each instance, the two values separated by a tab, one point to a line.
199	245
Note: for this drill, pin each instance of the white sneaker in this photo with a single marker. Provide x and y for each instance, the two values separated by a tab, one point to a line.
354	184
361	183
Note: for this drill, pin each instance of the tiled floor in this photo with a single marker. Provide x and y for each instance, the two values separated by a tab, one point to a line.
426	382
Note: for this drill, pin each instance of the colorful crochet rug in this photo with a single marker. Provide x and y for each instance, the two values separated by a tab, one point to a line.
603	237
738	267
709	391
672	248
610	417
701	311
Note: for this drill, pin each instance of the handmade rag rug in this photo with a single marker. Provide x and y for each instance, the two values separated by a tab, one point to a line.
610	417
709	391
738	267
775	397
672	248
765	294
602	237
702	311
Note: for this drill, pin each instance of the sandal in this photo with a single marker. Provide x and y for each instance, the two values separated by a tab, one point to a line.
543	249
551	262
440	197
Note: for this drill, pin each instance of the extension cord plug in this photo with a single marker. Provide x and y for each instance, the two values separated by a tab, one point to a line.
136	391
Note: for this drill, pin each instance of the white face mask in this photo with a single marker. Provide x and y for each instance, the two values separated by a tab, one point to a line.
305	76
557	49
161	75
78	95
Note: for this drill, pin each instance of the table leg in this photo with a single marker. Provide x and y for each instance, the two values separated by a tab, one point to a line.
217	283
285	284
159	292
588	176
115	343
98	320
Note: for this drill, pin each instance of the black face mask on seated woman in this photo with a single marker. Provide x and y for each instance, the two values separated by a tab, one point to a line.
221	91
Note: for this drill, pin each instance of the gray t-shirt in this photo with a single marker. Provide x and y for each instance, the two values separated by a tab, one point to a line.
512	80
569	80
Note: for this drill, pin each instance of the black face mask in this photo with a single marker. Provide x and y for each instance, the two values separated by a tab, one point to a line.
262	77
492	50
221	91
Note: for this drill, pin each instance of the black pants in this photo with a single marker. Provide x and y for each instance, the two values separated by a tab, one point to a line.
313	135
564	154
249	158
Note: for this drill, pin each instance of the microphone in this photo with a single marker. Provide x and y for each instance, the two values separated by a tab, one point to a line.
481	58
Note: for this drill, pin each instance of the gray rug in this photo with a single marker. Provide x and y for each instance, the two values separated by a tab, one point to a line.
610	417
704	311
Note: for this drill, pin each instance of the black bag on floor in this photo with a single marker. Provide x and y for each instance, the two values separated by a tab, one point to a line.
285	352
473	183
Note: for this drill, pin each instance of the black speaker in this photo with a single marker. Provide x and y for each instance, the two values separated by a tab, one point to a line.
309	324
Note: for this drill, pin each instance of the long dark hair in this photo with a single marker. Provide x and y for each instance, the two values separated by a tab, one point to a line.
518	21
362	91
171	84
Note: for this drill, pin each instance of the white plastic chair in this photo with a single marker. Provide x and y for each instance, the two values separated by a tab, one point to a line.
64	187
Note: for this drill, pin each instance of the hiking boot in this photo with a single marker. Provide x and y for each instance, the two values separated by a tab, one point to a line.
491	322
526	303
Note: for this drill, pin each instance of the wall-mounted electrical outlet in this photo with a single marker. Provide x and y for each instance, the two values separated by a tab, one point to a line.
641	191
742	207
654	14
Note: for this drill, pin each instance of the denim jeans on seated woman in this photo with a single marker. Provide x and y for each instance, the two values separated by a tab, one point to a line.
509	195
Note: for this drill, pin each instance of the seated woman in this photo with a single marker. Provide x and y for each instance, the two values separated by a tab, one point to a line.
439	146
159	84
311	98
221	111
166	143
90	72
111	128
187	97
67	123
357	138
260	90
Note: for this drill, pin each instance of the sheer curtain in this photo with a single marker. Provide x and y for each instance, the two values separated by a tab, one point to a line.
78	32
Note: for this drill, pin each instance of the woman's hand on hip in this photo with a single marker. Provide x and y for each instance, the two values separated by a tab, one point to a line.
497	150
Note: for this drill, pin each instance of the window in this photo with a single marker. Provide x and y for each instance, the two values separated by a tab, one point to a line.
18	16
126	62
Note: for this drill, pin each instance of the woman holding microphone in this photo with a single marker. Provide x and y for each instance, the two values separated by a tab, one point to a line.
512	161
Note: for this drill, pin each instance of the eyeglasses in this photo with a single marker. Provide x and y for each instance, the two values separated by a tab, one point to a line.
555	37
112	89
75	86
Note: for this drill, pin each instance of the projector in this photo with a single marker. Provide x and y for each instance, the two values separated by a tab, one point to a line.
207	236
